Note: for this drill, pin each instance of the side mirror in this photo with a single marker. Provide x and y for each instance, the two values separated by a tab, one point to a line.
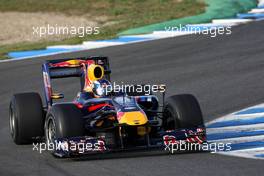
57	96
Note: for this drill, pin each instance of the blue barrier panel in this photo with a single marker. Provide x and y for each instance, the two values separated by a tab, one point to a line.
247	145
21	54
250	16
251	111
125	39
237	122
234	134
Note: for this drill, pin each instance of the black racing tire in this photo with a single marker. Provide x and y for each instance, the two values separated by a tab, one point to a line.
26	119
63	121
182	111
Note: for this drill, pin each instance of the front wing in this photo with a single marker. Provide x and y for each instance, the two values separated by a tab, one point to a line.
85	145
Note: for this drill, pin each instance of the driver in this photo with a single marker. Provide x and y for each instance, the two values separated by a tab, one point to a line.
97	89
101	88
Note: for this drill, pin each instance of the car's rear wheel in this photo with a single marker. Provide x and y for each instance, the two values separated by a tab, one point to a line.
182	111
26	118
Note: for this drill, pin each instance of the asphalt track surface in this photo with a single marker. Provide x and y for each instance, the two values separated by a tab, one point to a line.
225	73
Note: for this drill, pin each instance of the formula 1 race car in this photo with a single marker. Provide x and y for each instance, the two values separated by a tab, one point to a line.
101	119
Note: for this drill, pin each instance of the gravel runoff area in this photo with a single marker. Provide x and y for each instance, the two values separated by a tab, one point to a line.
19	27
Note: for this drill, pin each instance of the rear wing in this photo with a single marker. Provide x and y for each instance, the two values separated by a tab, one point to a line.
70	67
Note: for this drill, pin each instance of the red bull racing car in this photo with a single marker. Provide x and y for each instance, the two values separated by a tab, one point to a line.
102	119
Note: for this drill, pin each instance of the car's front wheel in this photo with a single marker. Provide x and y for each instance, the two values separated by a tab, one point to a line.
182	111
63	121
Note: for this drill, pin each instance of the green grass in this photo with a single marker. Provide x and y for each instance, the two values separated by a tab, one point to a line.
126	13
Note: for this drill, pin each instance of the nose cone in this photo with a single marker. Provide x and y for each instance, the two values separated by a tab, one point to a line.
132	118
